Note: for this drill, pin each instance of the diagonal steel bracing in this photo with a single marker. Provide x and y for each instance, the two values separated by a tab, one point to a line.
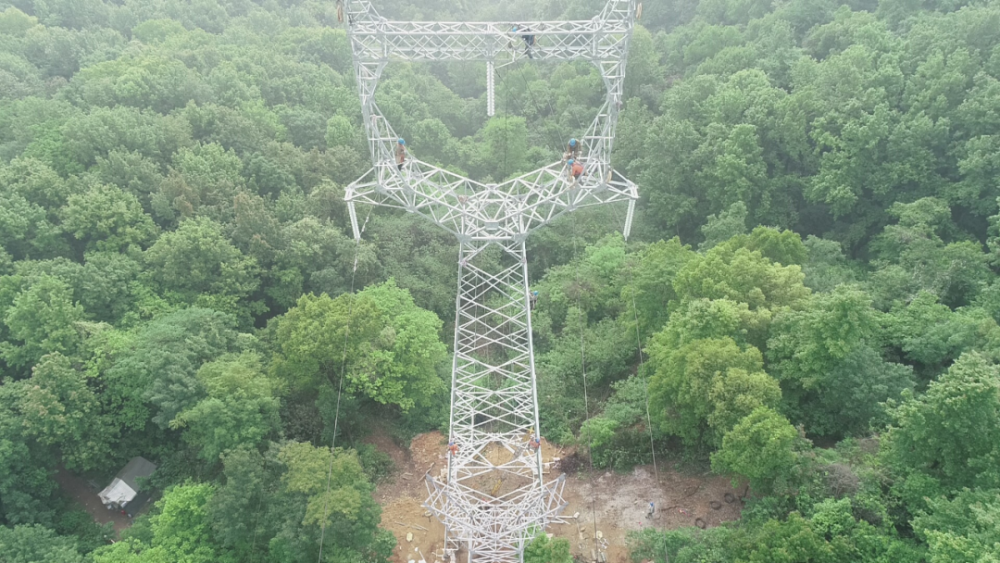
493	496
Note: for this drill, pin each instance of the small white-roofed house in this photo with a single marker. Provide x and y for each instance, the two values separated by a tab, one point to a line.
125	486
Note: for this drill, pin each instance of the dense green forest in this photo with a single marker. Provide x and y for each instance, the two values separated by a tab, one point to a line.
812	278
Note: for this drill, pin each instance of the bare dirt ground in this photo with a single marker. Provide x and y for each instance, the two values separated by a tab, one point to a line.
403	494
79	490
609	505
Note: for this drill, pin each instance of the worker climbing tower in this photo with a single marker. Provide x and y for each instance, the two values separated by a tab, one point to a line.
493	497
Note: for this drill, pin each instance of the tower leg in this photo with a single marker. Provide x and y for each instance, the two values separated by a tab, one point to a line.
494	497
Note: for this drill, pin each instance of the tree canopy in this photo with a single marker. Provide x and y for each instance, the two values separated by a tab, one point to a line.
808	302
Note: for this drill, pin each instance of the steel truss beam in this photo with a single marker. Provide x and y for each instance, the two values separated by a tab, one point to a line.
479	212
493	497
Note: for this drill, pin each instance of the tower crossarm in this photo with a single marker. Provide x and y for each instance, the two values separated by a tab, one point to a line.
475	211
377	39
486	41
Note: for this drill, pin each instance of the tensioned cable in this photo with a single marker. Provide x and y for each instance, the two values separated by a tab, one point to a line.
583	369
538	110
649	422
638	349
553	112
509	96
256	522
340	389
638	339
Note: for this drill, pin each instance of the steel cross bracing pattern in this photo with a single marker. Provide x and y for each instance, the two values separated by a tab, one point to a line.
493	497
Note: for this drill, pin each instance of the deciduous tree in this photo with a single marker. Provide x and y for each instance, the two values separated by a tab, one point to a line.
58	408
108	219
392	346
37	544
241	408
40	321
961	529
947	439
761	447
704	386
152	373
197	265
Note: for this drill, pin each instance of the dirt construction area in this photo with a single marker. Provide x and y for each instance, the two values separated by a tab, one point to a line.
606	505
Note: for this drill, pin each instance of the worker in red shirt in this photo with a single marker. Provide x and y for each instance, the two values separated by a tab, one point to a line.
575	169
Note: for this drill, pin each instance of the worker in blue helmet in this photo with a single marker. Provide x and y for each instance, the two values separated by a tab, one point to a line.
534	299
529	38
400	154
572	150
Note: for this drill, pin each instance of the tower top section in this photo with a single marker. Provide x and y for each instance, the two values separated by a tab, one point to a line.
603	37
508	210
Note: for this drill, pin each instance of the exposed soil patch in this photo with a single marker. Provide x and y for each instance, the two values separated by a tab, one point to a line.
384	443
401	496
85	494
615	504
610	503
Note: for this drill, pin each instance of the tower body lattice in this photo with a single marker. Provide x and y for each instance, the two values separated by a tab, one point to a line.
493	497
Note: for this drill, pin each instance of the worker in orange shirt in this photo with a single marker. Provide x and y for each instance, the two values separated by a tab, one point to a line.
575	169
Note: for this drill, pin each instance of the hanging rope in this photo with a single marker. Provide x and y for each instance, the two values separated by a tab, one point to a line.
638	340
256	527
638	349
340	388
507	98
538	109
552	111
558	142
583	370
649	422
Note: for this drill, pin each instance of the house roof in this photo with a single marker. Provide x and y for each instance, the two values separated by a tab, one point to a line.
116	493
136	504
137	468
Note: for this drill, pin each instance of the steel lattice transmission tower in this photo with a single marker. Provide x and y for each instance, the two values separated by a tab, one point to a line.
493	498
